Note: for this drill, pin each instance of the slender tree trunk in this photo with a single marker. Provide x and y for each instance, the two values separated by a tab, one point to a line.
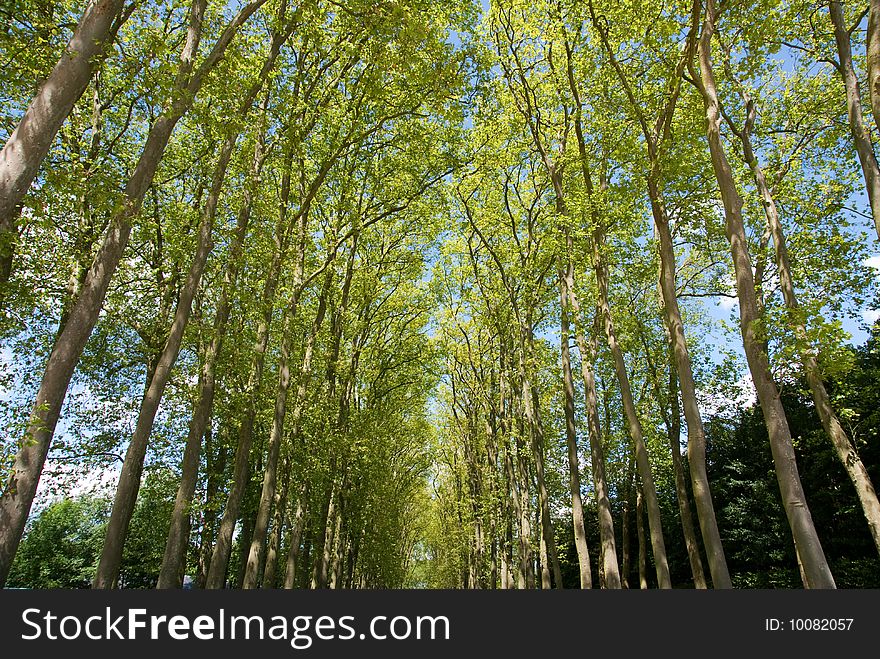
543	496
31	139
643	549
176	542
625	522
296	531
684	508
255	555
280	506
129	481
319	581
873	57
806	540
597	453
577	509
844	448
546	583
18	496
215	470
860	133
633	422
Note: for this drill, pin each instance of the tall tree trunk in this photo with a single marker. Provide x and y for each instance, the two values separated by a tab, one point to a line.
577	509
625	523
633	423
806	540
860	133
280	506
322	566
670	412
296	532
18	496
610	570
643	549
216	469
844	448
255	555
873	57
176	542
657	138
533	414
546	583
29	142
684	507
129	480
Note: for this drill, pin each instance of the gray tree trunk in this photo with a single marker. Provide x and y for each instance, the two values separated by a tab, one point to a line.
29	142
809	548
860	133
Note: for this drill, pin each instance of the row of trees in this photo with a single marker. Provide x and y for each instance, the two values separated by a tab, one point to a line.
620	152
219	269
369	282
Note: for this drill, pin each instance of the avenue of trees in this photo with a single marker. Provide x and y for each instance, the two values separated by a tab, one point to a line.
507	294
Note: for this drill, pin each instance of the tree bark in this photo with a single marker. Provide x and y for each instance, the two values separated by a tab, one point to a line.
806	540
860	133
296	536
255	554
643	549
873	57
577	509
280	505
533	413
31	139
844	448
18	496
587	351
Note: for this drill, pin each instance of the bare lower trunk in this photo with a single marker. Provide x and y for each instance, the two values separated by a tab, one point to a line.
255	554
533	414
546	583
625	522
643	549
860	133
277	527
215	469
634	424
577	510
322	566
873	57
807	544
29	142
296	537
844	448
610	571
684	507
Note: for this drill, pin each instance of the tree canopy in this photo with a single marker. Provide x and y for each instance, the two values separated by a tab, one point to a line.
346	294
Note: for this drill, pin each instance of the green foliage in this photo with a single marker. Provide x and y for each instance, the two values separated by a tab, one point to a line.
61	546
